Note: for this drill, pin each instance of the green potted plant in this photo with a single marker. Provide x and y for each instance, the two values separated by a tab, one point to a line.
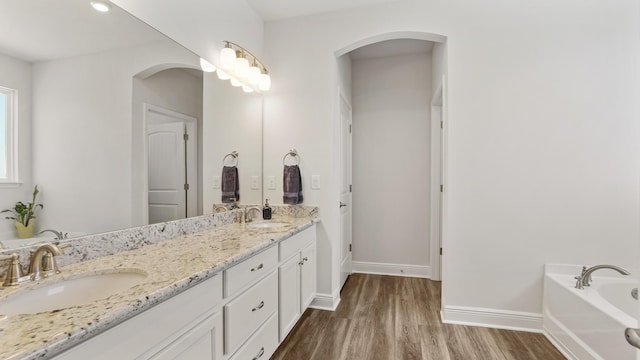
24	215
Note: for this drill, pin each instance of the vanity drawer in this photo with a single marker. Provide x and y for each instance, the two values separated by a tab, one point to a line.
296	242
244	314
262	344
239	276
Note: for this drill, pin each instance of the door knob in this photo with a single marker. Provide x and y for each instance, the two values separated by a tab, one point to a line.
632	337
342	204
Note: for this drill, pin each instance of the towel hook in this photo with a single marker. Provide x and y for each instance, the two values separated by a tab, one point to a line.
234	155
294	154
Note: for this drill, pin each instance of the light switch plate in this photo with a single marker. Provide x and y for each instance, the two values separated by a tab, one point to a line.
255	183
216	182
271	182
315	182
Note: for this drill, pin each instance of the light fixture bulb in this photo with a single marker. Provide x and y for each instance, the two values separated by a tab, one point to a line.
253	76
207	66
223	75
265	82
235	82
227	58
247	89
242	67
101	6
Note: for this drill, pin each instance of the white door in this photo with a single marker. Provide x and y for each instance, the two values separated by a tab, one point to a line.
345	191
171	151
437	180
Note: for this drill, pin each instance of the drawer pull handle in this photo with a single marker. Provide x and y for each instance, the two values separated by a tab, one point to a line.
258	307
257	267
259	354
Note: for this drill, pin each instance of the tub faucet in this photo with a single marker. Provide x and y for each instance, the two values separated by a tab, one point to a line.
585	278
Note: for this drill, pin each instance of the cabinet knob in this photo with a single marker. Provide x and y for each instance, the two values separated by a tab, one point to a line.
301	263
305	259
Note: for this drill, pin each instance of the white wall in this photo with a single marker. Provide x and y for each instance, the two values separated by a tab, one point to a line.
232	122
175	89
16	74
439	64
82	135
543	147
391	161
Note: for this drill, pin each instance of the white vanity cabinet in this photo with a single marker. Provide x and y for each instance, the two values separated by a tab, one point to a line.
241	314
186	326
251	304
297	277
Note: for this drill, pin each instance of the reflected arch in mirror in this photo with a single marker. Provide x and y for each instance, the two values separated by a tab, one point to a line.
166	123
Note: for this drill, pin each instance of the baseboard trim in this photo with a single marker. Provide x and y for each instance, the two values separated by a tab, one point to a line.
391	269
493	318
325	302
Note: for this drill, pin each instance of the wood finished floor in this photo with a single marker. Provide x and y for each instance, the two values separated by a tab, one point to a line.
397	318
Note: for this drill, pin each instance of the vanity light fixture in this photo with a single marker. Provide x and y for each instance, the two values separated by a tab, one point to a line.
207	66
243	68
101	6
223	75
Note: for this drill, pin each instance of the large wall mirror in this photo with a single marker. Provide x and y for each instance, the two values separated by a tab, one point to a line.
108	99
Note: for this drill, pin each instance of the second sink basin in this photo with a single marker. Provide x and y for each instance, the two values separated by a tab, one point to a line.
74	291
267	224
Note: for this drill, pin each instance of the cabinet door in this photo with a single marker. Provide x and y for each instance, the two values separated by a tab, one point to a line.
289	296
307	276
203	342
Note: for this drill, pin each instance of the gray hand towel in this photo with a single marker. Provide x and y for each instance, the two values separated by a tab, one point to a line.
292	185
230	184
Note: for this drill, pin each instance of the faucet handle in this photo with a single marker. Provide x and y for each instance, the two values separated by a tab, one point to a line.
14	274
49	264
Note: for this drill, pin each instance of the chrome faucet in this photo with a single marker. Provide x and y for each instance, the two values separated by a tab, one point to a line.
247	213
36	270
585	277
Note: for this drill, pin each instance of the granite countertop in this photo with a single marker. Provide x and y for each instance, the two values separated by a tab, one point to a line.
172	266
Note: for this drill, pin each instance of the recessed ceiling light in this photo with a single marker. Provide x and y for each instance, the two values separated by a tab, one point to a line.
101	6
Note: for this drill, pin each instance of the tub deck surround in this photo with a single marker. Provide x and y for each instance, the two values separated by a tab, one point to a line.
173	266
589	323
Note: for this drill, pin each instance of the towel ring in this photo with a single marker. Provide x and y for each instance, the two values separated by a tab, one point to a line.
294	154
234	155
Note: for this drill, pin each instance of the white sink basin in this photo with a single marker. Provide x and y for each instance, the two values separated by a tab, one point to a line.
267	224
77	290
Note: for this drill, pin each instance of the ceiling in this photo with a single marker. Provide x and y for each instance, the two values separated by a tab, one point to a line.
271	10
32	30
392	48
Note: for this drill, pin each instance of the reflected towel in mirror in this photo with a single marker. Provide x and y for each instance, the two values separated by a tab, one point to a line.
230	184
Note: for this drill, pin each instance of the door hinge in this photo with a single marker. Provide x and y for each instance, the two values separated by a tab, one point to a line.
440	251
186	187
441	188
349	247
186	137
349	128
441	125
350	188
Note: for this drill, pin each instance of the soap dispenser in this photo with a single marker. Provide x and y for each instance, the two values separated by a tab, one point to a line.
266	210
